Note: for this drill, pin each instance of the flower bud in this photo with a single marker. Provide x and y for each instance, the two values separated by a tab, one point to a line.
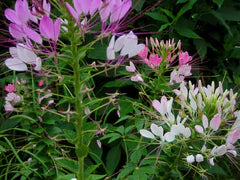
190	159
199	158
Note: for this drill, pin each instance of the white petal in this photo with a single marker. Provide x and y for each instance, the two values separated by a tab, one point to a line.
137	78
112	41
13	51
26	54
110	53
130	42
135	50
177	129
157	105
131	68
119	43
38	63
233	152
221	150
15	64
110	50
187	133
147	134
158	131
169	136
211	162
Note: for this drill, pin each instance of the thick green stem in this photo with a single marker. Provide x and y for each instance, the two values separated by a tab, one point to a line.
78	121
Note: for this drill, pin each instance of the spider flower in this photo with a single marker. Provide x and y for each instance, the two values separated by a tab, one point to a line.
21	56
127	44
48	29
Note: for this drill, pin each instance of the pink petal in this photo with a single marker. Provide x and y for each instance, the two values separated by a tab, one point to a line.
199	129
205	121
33	35
57	26
215	122
104	13
11	16
77	6
85	5
72	11
95	5
233	136
124	9
16	31
144	53
22	11
46	27
157	105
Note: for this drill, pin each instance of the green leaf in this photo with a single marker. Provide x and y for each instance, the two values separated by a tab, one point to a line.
123	118
96	177
167	12
91	169
230	13
113	158
120	129
49	121
221	19
164	26
158	16
184	9
98	52
201	47
68	164
235	53
118	83
218	2
136	156
186	32
125	172
65	177
138	6
48	142
181	1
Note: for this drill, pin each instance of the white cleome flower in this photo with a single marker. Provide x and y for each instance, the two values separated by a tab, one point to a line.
127	44
21	56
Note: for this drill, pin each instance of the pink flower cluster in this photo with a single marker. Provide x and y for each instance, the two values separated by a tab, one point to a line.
22	19
12	98
114	10
30	25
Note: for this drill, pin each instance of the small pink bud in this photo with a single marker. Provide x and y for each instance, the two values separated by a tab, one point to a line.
40	83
